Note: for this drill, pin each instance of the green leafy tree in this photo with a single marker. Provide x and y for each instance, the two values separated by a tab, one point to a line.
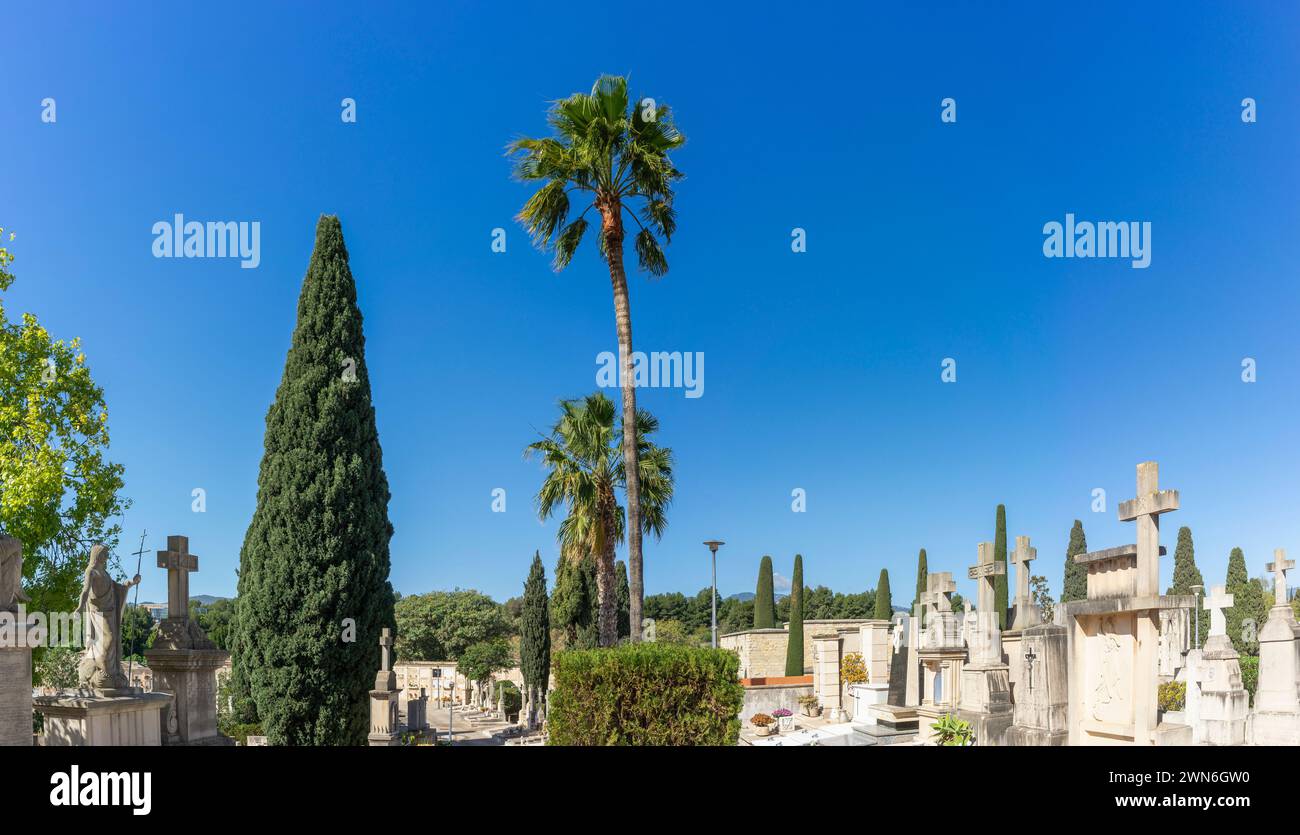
574	605
313	579
440	625
584	473
217	620
922	578
1247	614
794	645
1186	575
480	661
884	601
958	602
613	152
624	600
1000	556
137	631
535	633
58	490
765	596
1075	579
1041	593
57	668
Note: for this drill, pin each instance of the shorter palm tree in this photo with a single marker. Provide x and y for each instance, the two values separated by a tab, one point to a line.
584	459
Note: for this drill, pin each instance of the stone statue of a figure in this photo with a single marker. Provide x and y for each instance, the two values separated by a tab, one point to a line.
102	606
11	574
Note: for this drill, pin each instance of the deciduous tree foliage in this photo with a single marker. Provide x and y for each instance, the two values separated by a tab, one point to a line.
440	625
313	581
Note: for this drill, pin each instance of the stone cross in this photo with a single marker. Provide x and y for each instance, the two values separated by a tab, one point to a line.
939	594
1022	556
1279	566
985	573
385	644
1146	509
1216	601
179	562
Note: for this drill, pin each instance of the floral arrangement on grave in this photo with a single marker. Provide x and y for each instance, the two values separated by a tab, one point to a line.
809	705
761	720
1173	696
951	731
782	712
853	670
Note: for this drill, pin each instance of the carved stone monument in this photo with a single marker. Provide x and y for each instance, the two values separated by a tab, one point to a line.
15	651
183	660
106	710
985	681
896	720
942	654
384	727
1276	720
1221	705
1115	633
1041	710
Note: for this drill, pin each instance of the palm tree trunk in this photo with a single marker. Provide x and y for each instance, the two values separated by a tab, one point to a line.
606	580
612	229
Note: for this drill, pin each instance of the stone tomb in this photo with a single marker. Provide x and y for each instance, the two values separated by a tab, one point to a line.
1041	710
1276	720
942	654
896	719
985	680
1219	708
1114	634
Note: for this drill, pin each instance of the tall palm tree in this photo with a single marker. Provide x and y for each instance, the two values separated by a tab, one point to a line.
614	153
583	457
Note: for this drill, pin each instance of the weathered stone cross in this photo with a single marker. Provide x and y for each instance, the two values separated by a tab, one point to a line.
385	644
1279	566
940	587
1146	509
985	573
1030	657
179	562
1022	556
1216	601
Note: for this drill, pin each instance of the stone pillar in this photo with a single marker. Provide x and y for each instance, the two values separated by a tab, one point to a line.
384	729
826	672
15	693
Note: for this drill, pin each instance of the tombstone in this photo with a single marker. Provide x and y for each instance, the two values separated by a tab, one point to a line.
1276	720
183	660
942	655
255	742
1114	634
1221	706
384	727
15	650
1040	711
873	637
896	720
106	710
985	680
1027	612
417	712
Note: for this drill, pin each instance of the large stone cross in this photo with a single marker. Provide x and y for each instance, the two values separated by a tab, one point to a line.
1146	509
985	573
940	588
1279	566
1216	601
179	562
1022	556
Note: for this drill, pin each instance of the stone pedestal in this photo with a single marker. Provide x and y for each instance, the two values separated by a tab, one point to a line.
1276	720
385	729
185	663
135	720
1040	712
826	672
1224	704
15	695
865	697
986	702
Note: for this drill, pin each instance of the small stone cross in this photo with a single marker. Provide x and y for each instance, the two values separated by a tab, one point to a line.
385	644
1216	601
179	562
1279	566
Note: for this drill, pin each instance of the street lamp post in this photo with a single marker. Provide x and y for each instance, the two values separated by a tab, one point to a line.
713	601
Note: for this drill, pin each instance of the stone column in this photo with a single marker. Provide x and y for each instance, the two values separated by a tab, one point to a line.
15	653
826	672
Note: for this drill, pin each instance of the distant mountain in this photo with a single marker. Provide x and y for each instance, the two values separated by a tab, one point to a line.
206	599
743	597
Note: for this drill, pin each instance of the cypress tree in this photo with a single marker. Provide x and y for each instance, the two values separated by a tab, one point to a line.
1074	582
623	601
1247	607
535	633
1000	555
884	602
922	578
794	644
765	597
1186	575
313	571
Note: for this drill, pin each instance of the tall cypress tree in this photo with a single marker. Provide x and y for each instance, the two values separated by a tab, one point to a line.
1246	616
922	578
1074	582
313	571
535	633
765	597
794	644
623	601
1000	555
884	602
1186	575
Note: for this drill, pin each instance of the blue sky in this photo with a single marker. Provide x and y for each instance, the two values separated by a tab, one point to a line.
822	368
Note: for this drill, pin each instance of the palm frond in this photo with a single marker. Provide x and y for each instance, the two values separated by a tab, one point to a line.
649	255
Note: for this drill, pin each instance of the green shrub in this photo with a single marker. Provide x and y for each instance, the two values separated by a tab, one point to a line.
645	694
1249	674
514	700
1173	695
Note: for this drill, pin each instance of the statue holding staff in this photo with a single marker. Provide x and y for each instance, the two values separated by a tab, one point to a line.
102	606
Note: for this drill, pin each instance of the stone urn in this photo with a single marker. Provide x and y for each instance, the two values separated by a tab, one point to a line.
765	730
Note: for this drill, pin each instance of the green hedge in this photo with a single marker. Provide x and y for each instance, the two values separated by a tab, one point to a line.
1249	674
645	694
